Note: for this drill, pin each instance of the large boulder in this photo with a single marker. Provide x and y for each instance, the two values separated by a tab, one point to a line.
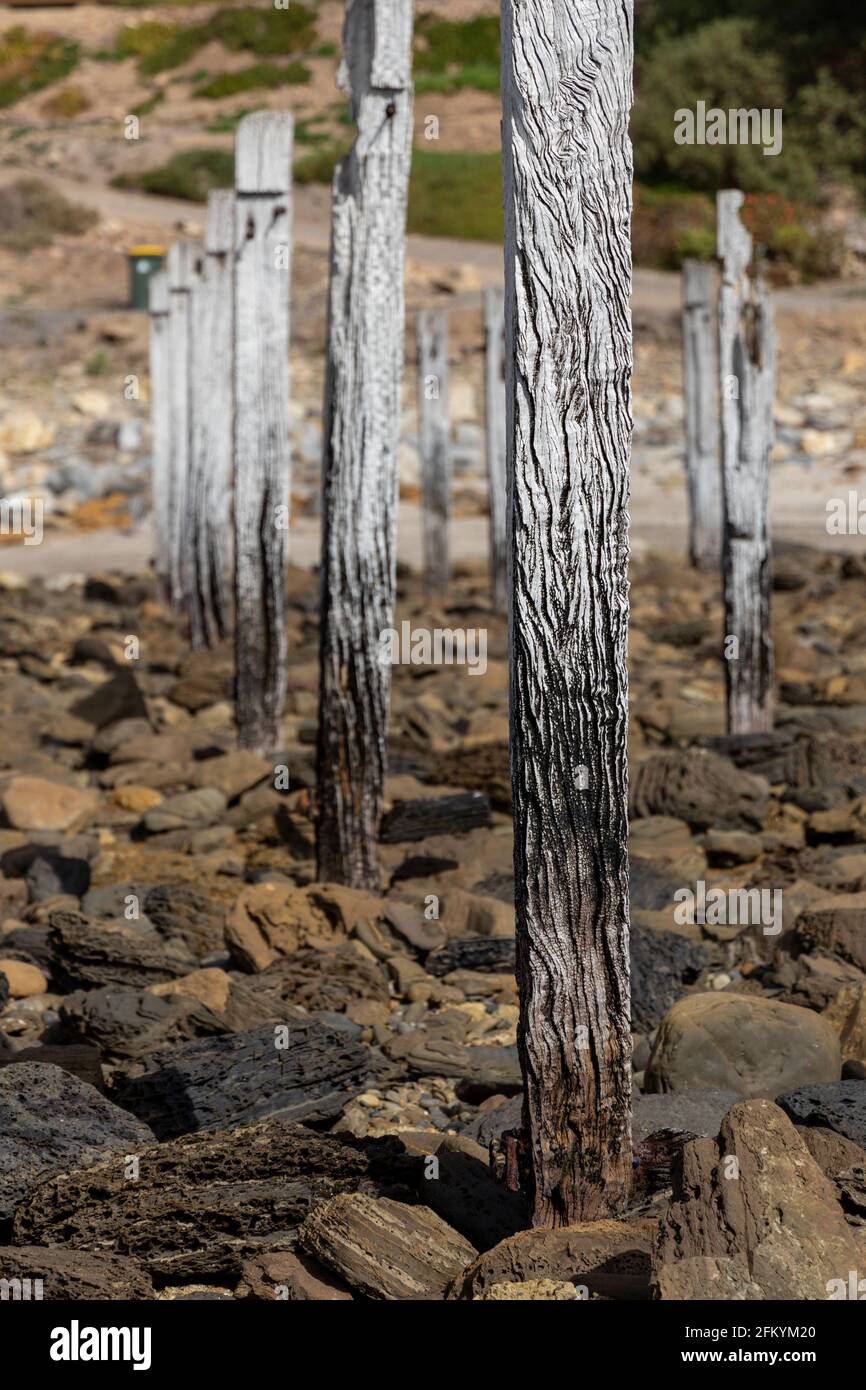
742	1043
752	1217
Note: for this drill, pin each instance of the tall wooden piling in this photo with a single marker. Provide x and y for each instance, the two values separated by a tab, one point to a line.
205	586
567	91
434	447
494	413
262	249
747	369
182	258
701	390
361	428
160	428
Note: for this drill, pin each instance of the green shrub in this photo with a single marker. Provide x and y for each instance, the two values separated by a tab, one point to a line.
451	55
190	174
30	61
256	77
268	33
66	103
456	194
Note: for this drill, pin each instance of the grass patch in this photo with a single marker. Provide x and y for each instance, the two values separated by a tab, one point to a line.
453	55
30	61
67	103
190	175
450	194
271	33
152	102
97	363
456	194
31	215
254	78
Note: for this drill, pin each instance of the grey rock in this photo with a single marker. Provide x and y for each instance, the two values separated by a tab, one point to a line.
838	1105
49	1120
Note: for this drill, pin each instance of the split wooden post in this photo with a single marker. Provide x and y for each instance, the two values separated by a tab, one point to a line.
182	258
494	411
362	413
160	428
212	381
747	368
700	389
435	446
567	92
262	254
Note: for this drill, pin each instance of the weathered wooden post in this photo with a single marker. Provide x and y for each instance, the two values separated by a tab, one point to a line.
361	428
212	383
262	254
494	411
160	428
567	91
700	388
182	258
747	367
434	445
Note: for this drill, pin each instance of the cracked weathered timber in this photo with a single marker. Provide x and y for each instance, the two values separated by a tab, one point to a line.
206	557
160	427
567	91
182	257
494	413
361	429
262	248
434	446
700	388
747	368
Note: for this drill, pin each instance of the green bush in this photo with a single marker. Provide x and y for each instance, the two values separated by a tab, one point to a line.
191	175
451	55
256	77
30	61
269	33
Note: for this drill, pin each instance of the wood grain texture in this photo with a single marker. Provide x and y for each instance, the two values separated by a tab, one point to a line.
435	446
494	415
160	427
206	580
361	428
262	247
701	390
182	257
747	366
567	91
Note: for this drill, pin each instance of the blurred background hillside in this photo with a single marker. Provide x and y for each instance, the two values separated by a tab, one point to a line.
70	75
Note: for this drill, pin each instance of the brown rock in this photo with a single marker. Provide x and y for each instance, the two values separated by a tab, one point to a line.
32	803
270	920
533	1290
24	980
385	1249
73	1275
756	1205
832	1152
607	1257
839	930
700	788
293	1277
743	1043
847	1014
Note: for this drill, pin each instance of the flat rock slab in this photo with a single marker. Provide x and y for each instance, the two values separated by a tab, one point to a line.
700	788
97	953
611	1258
32	803
203	1204
385	1249
73	1275
51	1120
839	1105
218	1082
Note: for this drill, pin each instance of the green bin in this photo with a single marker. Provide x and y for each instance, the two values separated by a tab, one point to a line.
144	261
